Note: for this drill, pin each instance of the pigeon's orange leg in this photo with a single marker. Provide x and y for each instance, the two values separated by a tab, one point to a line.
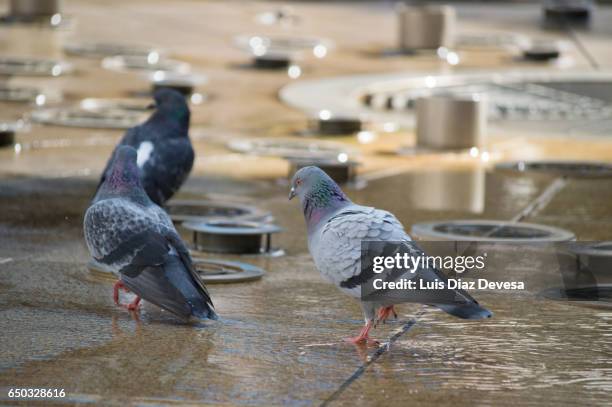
133	306
363	336
385	312
118	286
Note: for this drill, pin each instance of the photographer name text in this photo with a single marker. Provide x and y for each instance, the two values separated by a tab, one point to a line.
451	284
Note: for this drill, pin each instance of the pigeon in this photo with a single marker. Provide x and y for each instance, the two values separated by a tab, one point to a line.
336	227
126	232
165	155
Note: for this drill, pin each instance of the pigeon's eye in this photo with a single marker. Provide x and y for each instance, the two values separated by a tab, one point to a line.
298	182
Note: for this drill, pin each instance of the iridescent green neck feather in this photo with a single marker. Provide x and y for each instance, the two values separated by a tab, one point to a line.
323	198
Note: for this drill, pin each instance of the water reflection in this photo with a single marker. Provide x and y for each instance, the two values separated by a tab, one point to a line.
458	190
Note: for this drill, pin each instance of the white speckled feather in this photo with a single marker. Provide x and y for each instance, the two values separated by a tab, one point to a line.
112	222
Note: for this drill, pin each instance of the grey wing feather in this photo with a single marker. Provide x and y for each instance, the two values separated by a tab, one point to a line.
337	250
109	224
152	284
185	257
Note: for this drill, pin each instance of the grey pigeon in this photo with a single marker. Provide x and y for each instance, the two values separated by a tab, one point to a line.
128	233
165	155
336	226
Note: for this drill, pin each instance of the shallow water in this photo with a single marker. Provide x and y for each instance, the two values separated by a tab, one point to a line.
280	340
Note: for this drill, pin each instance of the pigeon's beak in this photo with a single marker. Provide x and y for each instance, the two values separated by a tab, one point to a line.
151	106
292	193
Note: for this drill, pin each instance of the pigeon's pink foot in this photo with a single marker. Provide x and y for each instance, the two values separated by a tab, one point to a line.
363	337
385	312
133	306
118	286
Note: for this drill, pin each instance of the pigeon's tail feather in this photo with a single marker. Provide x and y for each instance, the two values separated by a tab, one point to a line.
171	287
197	299
465	311
204	311
152	285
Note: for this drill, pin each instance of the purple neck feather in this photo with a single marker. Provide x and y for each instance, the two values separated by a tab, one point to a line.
323	200
123	180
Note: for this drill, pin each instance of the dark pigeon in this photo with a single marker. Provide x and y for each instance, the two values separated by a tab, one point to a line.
128	233
165	155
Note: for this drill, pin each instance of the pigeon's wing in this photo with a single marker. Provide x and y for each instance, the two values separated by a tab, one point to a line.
183	253
338	257
167	168
338	249
153	285
174	284
117	230
453	301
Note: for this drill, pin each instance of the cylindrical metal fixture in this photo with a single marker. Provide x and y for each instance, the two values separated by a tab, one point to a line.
232	237
272	61
32	8
7	137
338	126
451	121
426	27
567	10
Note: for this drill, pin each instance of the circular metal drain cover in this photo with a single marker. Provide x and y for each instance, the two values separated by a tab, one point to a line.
599	249
7	133
543	51
272	61
598	295
329	124
183	83
221	271
9	93
107	49
228	236
491	40
507	101
489	231
203	211
561	102
567	10
277	147
152	62
562	168
78	117
116	104
45	13
33	67
284	16
594	261
210	271
259	45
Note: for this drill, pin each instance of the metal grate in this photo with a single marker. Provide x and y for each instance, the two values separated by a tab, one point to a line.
516	101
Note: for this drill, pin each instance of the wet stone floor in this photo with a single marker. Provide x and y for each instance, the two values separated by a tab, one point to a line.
279	340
